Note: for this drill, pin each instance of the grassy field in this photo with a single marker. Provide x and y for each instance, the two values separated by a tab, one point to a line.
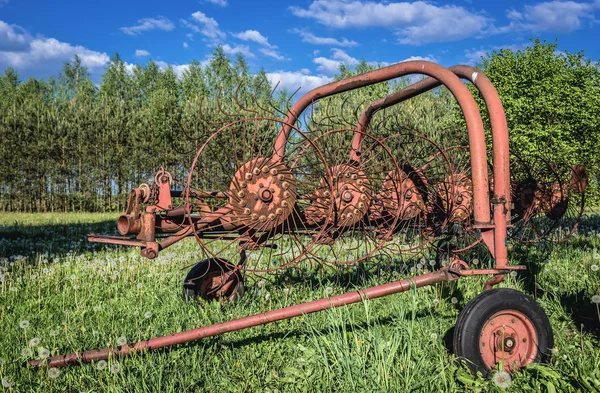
59	294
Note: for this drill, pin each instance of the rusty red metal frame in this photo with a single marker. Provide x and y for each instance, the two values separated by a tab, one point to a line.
493	235
494	230
444	274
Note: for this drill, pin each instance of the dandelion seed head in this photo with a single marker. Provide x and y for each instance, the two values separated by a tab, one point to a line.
53	372
454	300
73	277
115	368
13	289
513	273
26	352
7	383
148	315
554	351
286	291
261	283
328	290
44	353
267	296
596	299
97	308
101	365
436	301
433	336
502	379
122	340
475	261
594	268
140	286
54	333
24	324
34	342
432	262
45	270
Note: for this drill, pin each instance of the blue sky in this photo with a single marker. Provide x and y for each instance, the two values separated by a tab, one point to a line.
300	42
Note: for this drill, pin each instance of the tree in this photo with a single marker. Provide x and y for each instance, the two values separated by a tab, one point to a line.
551	100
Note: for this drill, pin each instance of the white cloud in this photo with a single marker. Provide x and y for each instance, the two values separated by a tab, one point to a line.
253	35
13	38
332	65
554	16
185	45
272	53
414	22
40	56
208	26
3	3
474	55
178	69
233	50
141	53
220	3
313	39
292	80
147	24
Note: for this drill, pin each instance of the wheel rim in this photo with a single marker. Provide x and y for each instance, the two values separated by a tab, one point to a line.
217	284
508	337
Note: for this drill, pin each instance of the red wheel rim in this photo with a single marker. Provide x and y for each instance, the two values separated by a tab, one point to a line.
508	337
216	285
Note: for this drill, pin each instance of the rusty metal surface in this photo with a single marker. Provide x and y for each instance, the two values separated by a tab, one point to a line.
254	320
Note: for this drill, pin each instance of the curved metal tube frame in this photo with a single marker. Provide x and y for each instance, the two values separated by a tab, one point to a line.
501	169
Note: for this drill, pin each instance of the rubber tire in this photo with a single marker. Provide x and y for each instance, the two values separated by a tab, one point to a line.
477	312
191	285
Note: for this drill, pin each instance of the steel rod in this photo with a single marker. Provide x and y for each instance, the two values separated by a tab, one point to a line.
250	321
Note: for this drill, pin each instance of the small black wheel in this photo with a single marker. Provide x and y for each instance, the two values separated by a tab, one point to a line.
213	279
502	326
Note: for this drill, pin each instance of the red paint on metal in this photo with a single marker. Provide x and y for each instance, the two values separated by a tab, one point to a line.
456	87
501	212
254	320
508	337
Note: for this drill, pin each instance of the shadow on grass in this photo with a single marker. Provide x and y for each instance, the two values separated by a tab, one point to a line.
55	239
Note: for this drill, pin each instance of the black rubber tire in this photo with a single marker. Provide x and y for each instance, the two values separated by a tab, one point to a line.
193	280
478	311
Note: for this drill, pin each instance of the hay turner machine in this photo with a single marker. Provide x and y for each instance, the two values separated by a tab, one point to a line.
344	195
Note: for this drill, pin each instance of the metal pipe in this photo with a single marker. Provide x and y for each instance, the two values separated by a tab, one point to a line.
450	80
501	198
254	320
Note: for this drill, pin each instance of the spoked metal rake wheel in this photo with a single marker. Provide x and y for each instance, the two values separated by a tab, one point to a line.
549	199
255	213
353	230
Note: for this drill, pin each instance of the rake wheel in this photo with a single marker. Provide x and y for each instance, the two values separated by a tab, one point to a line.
256	214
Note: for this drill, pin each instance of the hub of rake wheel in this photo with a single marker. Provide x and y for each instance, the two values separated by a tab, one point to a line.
262	193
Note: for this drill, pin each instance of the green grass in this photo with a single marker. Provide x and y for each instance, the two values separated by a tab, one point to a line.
78	296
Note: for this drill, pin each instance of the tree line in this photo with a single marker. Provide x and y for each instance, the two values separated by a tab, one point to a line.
71	145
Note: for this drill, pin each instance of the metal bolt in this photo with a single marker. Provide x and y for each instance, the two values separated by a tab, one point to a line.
265	169
271	216
256	171
286	194
284	203
262	218
254	216
279	211
242	203
241	193
248	176
247	211
349	215
243	184
343	216
280	177
274	172
512	320
285	185
362	189
524	340
354	176
360	205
